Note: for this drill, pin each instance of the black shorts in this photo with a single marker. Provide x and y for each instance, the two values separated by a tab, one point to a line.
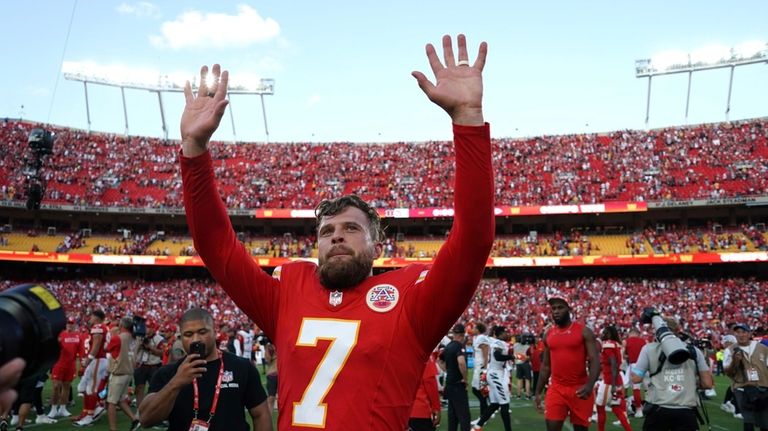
523	371
143	374
420	424
272	385
26	389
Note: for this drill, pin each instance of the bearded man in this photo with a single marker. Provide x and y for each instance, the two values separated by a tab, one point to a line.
357	342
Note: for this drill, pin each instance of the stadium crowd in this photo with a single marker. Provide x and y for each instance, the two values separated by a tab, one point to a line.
703	161
706	308
576	242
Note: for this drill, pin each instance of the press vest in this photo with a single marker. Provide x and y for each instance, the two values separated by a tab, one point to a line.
756	360
675	386
123	364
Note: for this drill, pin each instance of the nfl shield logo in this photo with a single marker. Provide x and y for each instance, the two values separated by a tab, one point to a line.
227	377
335	298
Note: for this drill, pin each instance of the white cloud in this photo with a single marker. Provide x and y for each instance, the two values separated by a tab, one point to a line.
313	100
140	9
195	29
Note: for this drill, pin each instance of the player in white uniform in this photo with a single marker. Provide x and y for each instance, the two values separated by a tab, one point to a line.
481	351
498	378
247	339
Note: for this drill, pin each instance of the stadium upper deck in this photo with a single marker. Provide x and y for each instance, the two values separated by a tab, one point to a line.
697	162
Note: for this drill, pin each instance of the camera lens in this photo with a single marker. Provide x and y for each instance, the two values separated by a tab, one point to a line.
31	319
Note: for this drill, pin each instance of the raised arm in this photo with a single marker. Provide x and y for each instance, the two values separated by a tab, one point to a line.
458	267
253	290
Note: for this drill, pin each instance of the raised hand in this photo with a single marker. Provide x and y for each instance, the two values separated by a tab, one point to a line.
192	367
203	112
458	87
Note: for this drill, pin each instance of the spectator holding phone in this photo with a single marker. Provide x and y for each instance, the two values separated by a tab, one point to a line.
207	389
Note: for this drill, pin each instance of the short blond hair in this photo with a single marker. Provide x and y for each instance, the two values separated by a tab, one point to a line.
672	323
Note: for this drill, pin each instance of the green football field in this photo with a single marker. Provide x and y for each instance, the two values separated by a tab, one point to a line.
524	416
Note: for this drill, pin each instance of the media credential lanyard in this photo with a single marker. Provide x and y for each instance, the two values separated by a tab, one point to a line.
215	402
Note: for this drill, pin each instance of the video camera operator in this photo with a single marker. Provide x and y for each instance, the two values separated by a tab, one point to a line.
677	371
149	358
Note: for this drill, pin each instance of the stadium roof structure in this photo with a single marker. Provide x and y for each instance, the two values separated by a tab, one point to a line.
706	58
161	84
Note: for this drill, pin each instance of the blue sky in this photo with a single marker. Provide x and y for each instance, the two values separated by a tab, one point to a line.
342	69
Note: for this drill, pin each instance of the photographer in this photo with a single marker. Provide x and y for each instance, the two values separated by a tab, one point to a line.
208	389
120	359
676	371
523	371
149	358
746	363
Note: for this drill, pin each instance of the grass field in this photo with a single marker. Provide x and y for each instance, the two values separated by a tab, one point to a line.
524	416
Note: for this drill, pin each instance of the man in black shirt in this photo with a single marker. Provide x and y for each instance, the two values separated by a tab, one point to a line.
455	391
226	384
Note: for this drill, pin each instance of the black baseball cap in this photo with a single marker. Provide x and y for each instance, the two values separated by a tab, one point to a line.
458	329
743	326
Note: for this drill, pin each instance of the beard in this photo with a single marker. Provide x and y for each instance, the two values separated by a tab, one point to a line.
343	274
562	320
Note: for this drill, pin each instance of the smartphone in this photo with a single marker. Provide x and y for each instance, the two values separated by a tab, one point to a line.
199	348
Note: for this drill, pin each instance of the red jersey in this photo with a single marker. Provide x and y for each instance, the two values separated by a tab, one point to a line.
611	349
69	348
633	345
567	354
427	397
99	329
535	352
114	346
85	344
357	355
222	340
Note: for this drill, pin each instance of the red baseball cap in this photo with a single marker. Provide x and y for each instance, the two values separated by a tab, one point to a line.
71	320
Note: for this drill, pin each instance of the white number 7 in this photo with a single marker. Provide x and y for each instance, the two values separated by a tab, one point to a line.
311	410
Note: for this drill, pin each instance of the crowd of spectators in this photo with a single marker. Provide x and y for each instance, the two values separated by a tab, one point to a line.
703	161
706	308
578	242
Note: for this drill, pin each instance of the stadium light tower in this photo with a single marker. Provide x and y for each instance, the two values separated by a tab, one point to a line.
707	58
159	85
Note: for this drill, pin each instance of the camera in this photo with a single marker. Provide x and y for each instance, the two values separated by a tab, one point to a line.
263	340
703	343
139	327
41	141
675	350
31	319
197	347
527	339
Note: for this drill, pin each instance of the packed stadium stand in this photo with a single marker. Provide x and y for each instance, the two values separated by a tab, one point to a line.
703	161
706	307
88	172
575	243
